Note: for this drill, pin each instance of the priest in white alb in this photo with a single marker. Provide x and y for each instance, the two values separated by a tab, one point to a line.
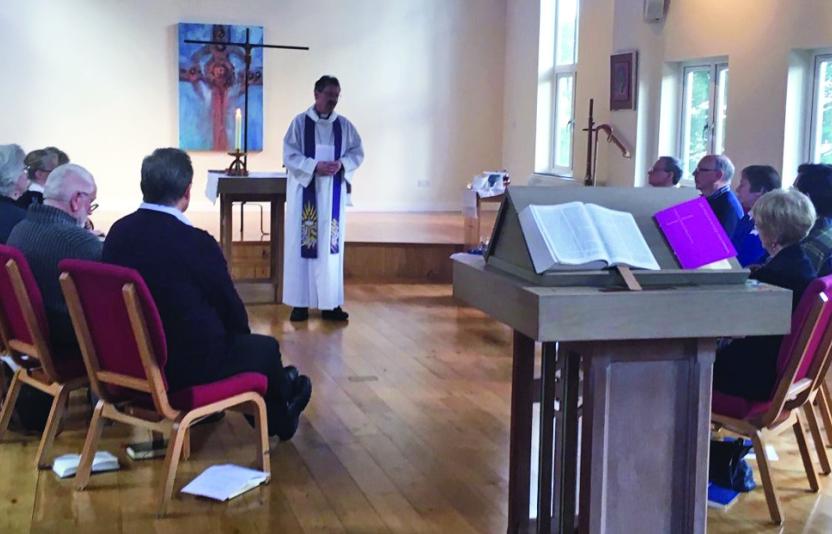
321	151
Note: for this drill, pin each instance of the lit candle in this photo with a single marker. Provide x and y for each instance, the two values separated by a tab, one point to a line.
238	129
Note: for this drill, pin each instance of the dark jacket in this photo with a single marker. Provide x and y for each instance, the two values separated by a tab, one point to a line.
10	215
28	198
727	208
46	236
746	240
188	276
747	367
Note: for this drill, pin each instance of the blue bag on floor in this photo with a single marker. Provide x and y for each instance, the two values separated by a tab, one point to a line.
727	467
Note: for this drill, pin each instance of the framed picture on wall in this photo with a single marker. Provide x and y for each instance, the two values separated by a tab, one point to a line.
623	80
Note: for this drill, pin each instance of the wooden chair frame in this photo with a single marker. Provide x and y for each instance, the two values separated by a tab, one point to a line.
166	420
783	412
806	398
824	403
39	374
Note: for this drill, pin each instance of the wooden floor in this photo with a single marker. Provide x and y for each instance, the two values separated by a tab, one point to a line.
407	431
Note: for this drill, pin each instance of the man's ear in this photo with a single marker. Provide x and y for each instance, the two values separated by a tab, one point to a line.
188	191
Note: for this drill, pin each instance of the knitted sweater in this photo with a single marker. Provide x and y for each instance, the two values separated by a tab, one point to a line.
46	236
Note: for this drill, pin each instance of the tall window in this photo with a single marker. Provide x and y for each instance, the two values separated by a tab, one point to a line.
557	69
704	112
820	148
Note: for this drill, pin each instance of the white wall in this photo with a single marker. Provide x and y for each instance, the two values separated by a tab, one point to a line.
757	36
421	79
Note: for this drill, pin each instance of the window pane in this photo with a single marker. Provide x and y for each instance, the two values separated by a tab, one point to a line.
695	116
822	152
543	139
546	42
722	110
567	32
563	120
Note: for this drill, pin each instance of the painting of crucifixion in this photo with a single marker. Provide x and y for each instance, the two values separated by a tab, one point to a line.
212	85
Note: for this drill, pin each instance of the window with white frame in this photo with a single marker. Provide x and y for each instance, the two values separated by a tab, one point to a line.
820	138
557	70
704	112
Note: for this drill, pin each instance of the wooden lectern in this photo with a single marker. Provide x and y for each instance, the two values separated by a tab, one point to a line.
646	358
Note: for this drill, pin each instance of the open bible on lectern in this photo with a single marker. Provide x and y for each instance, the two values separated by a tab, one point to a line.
579	236
510	251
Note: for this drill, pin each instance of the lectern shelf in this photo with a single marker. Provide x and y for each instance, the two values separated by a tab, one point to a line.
509	253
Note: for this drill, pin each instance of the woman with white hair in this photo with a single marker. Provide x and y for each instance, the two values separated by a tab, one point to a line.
747	367
13	182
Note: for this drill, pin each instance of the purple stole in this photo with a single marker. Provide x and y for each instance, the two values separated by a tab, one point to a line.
309	213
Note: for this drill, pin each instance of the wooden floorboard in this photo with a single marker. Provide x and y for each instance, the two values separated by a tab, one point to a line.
407	431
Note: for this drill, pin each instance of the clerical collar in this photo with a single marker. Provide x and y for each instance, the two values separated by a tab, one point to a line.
34	186
323	117
170	210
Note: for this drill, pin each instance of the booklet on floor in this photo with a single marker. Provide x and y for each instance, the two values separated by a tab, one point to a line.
67	465
224	482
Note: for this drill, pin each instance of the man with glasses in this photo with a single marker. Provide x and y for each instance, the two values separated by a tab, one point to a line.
51	232
39	163
666	172
713	179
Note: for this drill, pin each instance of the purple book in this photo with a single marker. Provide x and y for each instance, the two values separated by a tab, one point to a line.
694	233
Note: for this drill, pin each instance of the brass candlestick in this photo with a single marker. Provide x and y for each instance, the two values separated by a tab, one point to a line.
238	166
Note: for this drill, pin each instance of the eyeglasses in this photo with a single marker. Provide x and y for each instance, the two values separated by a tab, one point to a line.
653	171
93	205
698	170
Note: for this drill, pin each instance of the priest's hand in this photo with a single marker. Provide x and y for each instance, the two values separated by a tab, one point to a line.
327	168
324	168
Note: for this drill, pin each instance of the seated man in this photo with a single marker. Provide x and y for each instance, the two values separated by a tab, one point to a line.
713	177
747	367
205	322
51	232
815	181
755	181
12	183
666	172
39	163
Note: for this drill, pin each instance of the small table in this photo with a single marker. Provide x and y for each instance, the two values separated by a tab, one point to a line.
257	187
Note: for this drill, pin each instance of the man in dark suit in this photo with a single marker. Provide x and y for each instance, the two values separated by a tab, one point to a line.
205	322
713	179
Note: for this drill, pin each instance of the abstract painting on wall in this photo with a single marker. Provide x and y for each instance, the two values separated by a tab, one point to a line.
211	87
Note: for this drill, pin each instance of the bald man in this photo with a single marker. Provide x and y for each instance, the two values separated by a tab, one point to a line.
51	232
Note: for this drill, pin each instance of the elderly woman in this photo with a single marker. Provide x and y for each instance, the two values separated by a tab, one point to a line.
747	367
13	183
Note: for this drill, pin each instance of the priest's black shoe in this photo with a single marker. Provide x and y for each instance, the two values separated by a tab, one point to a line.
335	315
299	314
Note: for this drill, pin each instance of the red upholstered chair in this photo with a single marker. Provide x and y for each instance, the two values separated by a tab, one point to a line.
123	343
25	333
803	359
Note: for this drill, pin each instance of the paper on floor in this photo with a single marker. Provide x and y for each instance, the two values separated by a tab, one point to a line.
224	482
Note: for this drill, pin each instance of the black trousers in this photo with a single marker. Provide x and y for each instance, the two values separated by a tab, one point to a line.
253	353
747	367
